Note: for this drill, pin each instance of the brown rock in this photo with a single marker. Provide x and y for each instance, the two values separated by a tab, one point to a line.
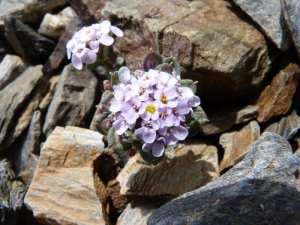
63	191
217	44
223	119
48	97
276	99
237	143
186	168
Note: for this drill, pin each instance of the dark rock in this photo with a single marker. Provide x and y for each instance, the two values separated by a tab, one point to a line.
291	12
12	193
286	126
259	190
73	99
27	43
5	48
221	120
268	15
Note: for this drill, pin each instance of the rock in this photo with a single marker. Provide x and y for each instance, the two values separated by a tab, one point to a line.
286	126
249	193
28	11
10	68
45	102
26	153
54	25
237	144
277	97
268	15
5	48
26	42
221	120
89	11
11	194
136	213
62	190
19	90
188	167
291	12
214	42
56	59
72	100
25	113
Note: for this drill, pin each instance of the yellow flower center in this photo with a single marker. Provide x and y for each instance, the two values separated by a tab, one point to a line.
87	32
151	109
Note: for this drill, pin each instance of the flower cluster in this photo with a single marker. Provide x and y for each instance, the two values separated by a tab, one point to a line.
153	105
84	45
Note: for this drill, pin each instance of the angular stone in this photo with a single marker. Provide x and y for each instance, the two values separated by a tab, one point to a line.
62	190
28	11
286	126
186	168
277	97
214	42
89	11
249	193
10	68
26	152
237	144
72	100
27	42
25	114
136	213
5	48
54	25
291	12
223	119
58	56
19	91
12	193
268	15
45	102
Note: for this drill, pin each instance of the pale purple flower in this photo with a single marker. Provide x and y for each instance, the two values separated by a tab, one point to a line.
147	132
165	118
157	147
149	110
167	97
184	93
121	125
173	134
130	110
165	80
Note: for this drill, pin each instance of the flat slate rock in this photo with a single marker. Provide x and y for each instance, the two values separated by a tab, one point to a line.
291	12
259	190
268	15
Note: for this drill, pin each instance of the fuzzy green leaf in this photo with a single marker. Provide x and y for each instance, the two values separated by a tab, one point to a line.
165	67
111	136
151	60
106	96
188	83
174	63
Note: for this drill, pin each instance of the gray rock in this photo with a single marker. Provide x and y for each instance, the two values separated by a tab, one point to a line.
268	15
72	100
259	190
223	119
214	42
19	91
10	68
291	12
26	152
286	126
27	43
12	193
45	102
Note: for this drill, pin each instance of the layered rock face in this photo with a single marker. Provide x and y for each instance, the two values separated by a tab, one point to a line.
239	169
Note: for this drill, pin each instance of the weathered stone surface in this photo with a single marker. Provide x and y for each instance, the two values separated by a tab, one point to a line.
45	102
11	194
214	41
72	100
28	11
276	99
268	15
291	12
237	143
136	213
26	152
89	11
286	126
249	193
188	167
223	119
58	55
54	25
27	43
10	68
62	190
5	48
19	91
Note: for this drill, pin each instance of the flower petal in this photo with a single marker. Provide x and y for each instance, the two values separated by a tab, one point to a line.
88	56
149	135
180	132
116	31
120	126
106	39
158	148
76	61
124	75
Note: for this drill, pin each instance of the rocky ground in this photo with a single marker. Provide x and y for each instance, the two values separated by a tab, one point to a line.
243	166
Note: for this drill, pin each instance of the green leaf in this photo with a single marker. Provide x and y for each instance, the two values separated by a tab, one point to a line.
123	145
111	137
165	67
106	96
189	83
193	130
151	60
199	115
105	52
174	63
114	78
